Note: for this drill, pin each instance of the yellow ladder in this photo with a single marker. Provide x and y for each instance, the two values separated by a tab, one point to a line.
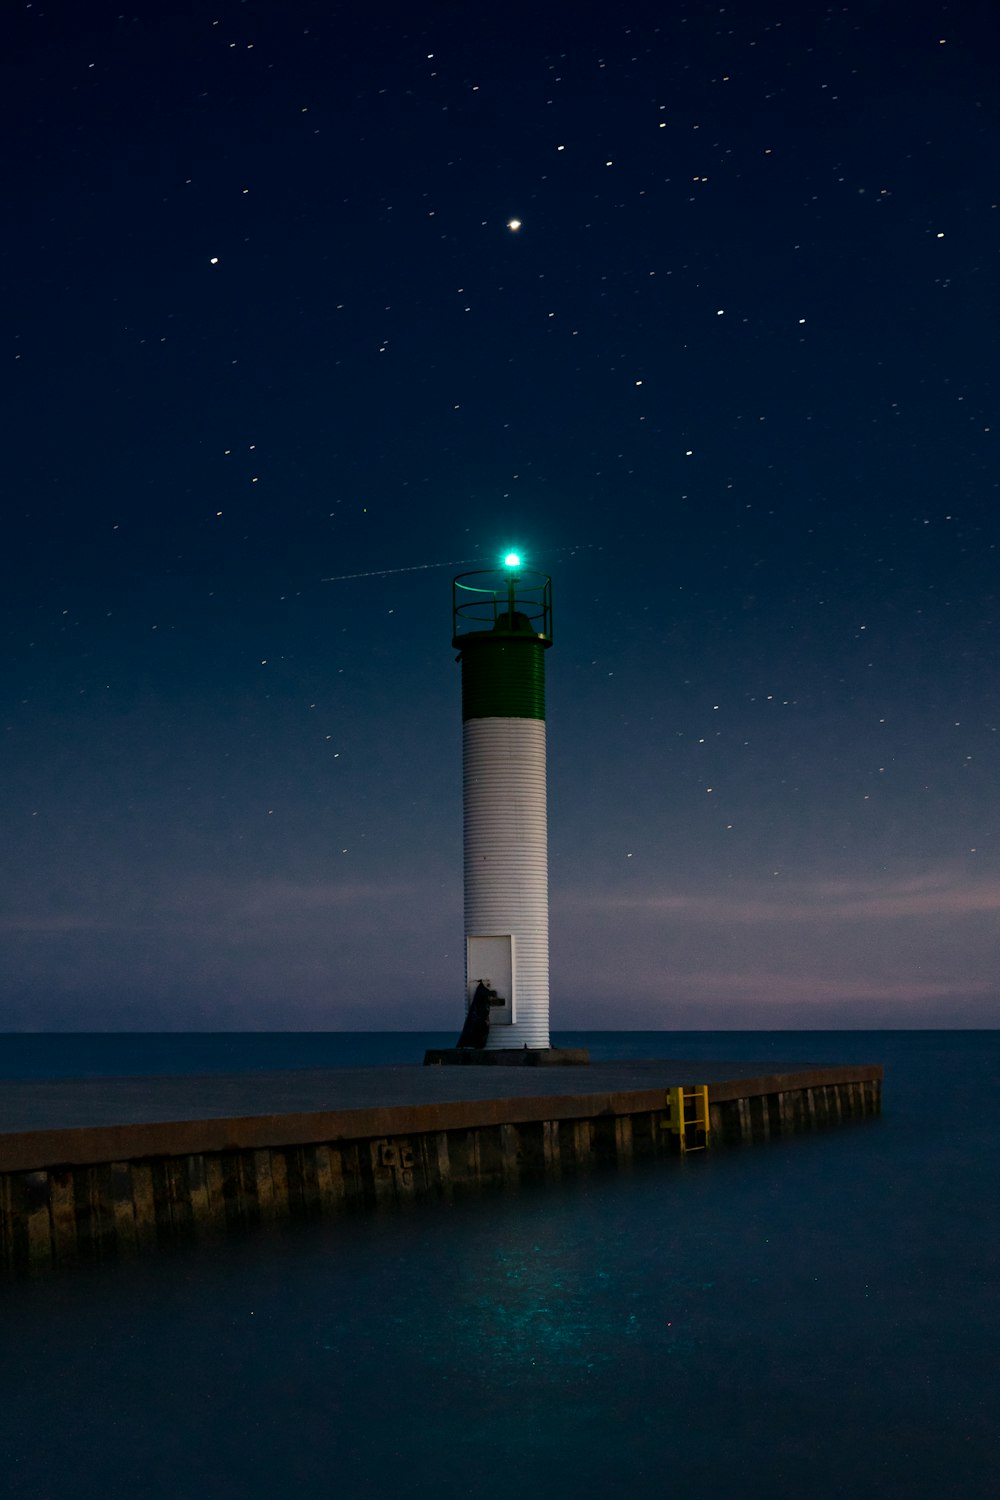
689	1116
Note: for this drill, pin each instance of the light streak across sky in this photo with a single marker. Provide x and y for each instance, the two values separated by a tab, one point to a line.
413	568
457	562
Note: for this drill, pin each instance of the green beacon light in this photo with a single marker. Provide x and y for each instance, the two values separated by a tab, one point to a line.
512	560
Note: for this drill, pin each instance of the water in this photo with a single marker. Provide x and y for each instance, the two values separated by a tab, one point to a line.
816	1316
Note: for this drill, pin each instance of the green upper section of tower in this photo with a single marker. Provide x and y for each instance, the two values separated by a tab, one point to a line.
503	676
502	627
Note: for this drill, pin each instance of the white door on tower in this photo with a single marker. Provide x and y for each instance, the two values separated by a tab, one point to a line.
490	959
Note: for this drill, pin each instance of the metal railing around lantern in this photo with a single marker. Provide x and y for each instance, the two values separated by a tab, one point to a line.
497	599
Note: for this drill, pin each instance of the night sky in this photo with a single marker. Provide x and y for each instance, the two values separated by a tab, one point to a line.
733	382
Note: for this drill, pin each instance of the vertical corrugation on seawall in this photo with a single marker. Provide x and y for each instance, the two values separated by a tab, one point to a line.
506	861
62	1214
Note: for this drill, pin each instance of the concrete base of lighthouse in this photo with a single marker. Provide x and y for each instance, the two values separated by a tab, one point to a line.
509	1057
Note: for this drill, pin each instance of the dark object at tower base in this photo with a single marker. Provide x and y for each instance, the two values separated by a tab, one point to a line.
477	1022
511	1057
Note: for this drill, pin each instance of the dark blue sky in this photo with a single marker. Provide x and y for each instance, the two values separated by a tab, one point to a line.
732	382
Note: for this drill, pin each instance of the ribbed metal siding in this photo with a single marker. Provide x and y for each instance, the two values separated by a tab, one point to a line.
503	677
506	861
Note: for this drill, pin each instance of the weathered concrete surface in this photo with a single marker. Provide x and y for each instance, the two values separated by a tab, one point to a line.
96	1168
95	1120
188	1179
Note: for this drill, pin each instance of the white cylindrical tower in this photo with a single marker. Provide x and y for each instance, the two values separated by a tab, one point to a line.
502	628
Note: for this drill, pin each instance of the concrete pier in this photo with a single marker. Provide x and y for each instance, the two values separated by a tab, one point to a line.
93	1168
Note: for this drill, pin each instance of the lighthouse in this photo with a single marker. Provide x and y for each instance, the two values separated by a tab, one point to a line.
502	629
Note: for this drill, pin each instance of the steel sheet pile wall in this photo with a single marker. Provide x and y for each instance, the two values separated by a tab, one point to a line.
60	1214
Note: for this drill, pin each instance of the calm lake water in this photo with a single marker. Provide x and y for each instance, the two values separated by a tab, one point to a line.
815	1317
